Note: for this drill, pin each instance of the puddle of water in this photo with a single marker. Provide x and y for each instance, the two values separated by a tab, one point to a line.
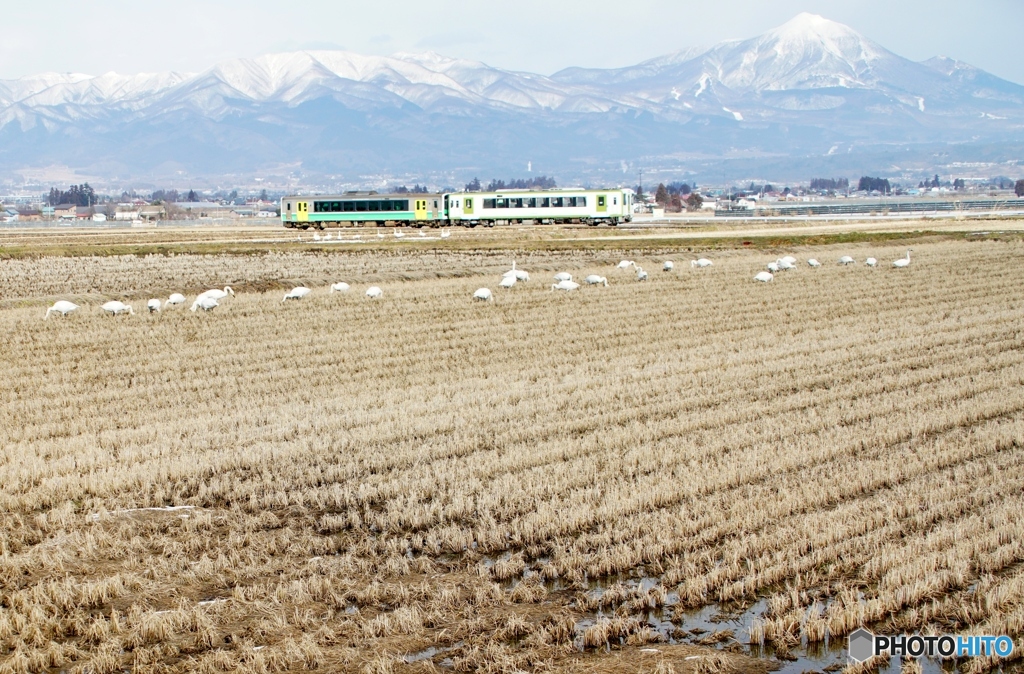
697	625
421	655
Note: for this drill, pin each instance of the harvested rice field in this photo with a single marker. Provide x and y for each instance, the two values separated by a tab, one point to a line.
697	473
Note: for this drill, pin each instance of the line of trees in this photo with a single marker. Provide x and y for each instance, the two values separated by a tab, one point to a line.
415	189
79	195
869	184
830	184
537	183
677	196
1019	188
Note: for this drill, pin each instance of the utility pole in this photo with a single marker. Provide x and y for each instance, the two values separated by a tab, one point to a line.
641	183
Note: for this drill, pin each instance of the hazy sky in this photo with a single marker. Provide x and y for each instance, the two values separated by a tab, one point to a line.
535	35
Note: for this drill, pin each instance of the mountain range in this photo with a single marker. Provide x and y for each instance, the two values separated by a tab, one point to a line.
811	94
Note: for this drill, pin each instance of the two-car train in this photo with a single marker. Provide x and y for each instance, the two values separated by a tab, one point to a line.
591	207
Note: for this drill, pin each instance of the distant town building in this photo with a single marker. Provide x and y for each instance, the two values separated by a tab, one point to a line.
152	212
65	211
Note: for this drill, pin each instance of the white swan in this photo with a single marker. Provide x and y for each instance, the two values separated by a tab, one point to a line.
316	237
903	261
217	294
789	259
565	285
563	276
114	308
785	265
871	262
374	292
422	233
341	287
508	281
297	293
641	275
153	305
846	259
176	298
702	262
668	266
518	273
398	234
205	303
594	280
483	294
773	267
445	233
813	262
763	277
62	307
626	264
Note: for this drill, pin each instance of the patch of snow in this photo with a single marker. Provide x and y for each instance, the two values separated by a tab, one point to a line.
920	104
687	105
737	116
675	93
704	79
95	516
832	150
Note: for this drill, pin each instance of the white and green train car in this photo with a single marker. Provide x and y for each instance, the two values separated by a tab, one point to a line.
366	210
592	207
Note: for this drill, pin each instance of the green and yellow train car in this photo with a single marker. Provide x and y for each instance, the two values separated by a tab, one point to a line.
366	210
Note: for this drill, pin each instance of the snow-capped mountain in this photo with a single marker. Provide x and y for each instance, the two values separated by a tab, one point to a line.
808	87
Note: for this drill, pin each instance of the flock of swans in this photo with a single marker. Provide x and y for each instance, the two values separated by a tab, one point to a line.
563	280
790	262
211	299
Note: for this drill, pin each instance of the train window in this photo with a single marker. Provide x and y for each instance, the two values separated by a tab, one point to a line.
501	203
489	203
335	206
289	206
545	202
372	206
515	203
348	206
615	201
581	201
361	206
556	202
404	204
385	206
469	203
435	203
600	200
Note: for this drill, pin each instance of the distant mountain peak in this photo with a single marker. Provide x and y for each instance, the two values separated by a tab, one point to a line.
810	82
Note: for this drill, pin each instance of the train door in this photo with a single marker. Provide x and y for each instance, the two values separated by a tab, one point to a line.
602	203
302	211
421	209
467	205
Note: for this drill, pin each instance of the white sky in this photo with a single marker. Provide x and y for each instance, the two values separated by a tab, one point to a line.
535	35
